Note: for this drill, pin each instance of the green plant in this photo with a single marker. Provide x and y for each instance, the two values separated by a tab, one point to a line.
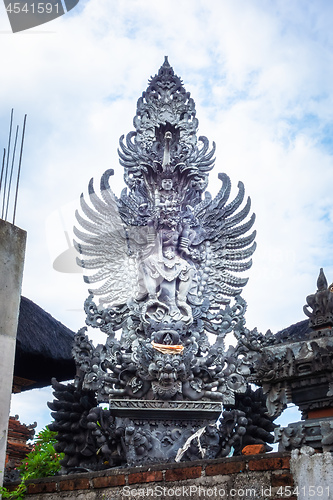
42	461
16	494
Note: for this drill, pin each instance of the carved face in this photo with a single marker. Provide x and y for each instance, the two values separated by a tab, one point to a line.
200	184
167	369
167	184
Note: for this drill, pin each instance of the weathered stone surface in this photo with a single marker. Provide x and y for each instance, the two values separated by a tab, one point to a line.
320	304
313	473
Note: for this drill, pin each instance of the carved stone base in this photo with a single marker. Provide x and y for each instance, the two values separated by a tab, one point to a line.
154	431
315	432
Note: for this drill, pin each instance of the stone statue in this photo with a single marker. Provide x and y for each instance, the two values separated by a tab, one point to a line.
165	257
321	304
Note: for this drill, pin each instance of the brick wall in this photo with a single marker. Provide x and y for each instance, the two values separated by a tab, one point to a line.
263	477
18	435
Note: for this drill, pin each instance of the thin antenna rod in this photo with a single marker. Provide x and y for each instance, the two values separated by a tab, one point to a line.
8	152
11	171
19	168
3	166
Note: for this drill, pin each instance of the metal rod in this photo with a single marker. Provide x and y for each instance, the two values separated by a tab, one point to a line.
8	152
19	168
11	172
3	166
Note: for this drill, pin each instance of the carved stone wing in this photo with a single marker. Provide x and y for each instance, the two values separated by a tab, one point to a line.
228	246
108	246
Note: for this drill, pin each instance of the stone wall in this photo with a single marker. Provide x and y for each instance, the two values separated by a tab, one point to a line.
313	473
256	476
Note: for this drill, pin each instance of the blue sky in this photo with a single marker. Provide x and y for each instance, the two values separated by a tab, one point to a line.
261	75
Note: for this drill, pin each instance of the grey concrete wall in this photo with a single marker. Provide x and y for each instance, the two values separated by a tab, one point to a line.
12	251
313	474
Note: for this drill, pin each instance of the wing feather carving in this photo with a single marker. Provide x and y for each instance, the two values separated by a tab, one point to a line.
242	242
237	218
236	203
238	230
230	251
108	246
87	225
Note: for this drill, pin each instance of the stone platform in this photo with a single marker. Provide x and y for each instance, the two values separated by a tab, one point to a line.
155	431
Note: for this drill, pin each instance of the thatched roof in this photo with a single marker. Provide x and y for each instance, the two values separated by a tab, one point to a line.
43	347
294	333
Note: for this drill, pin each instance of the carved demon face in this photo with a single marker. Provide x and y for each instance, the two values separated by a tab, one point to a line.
167	369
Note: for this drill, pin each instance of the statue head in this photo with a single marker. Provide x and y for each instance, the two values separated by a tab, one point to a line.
167	184
199	183
166	369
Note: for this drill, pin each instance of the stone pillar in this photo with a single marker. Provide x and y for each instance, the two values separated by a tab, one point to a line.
12	250
312	473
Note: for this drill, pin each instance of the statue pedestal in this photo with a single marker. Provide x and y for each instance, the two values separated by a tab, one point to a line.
154	431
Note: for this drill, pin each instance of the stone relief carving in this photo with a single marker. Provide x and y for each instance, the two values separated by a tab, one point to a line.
320	304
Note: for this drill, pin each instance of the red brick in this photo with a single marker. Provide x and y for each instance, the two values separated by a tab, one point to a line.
253	449
11	487
108	481
145	477
225	468
81	483
269	464
42	488
184	473
284	479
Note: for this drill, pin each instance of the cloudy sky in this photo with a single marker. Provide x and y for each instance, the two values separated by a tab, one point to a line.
261	75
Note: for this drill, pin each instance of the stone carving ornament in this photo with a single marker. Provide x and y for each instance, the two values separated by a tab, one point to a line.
164	256
163	263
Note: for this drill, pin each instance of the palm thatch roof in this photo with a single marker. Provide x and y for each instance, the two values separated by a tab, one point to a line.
43	347
295	332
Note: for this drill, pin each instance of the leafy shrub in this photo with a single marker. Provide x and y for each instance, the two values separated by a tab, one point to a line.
16	494
42	461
